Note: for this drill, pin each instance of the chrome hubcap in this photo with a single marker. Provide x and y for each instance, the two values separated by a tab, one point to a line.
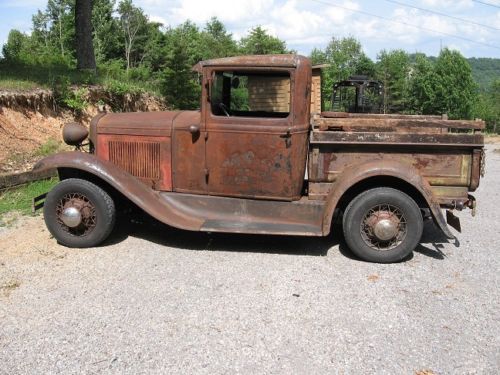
76	214
71	217
383	227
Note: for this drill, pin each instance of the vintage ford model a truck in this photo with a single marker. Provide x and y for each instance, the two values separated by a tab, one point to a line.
254	159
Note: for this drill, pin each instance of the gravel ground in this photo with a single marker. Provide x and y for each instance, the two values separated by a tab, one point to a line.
158	300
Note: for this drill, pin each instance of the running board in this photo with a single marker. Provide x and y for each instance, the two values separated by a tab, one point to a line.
239	215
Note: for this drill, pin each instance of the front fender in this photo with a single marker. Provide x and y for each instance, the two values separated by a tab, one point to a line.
390	168
143	196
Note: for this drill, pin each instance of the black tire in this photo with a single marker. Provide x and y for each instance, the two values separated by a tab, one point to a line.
99	208
368	208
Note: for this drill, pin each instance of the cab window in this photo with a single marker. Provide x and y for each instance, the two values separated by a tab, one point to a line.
250	94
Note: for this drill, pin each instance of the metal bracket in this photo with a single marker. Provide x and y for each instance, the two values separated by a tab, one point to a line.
37	202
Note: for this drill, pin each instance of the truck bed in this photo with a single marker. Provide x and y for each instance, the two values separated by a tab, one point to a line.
448	153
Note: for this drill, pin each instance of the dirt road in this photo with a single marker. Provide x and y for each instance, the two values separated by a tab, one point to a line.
157	300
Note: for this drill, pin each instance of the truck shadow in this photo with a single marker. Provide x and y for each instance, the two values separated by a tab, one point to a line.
149	229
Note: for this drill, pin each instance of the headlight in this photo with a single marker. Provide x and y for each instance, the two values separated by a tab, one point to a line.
74	133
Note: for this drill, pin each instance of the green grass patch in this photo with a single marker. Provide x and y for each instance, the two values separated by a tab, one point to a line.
19	198
48	148
23	76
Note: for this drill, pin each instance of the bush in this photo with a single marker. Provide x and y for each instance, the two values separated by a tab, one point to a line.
76	100
120	88
141	73
48	148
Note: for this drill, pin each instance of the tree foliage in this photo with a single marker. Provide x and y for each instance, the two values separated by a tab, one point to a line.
259	42
130	48
392	70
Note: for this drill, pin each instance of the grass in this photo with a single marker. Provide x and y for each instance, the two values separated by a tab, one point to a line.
51	146
30	76
19	198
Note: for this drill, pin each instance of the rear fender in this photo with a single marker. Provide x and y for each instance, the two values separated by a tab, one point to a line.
143	196
357	173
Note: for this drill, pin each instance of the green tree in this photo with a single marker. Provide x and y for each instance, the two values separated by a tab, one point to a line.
41	30
318	56
444	86
15	46
216	42
366	66
344	57
182	51
456	91
106	35
62	20
133	23
393	70
422	93
487	107
259	42
152	55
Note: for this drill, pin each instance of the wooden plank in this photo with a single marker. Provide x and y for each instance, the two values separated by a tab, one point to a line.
351	123
392	138
15	179
396	116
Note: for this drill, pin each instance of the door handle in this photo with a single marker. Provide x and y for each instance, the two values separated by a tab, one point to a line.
194	129
288	137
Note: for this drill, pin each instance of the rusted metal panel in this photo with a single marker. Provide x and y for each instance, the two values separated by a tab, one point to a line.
131	187
376	168
477	156
319	190
398	139
188	153
138	123
239	215
147	158
446	195
289	61
260	157
439	168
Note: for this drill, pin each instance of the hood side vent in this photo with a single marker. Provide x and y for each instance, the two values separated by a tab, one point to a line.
140	159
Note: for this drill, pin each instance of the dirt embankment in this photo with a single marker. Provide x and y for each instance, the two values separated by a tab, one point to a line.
31	122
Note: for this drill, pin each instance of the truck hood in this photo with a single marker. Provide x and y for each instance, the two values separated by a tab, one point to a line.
143	123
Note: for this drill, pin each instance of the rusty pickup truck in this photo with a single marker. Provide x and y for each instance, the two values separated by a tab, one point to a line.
257	158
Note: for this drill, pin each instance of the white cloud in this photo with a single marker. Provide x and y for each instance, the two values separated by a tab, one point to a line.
307	24
225	10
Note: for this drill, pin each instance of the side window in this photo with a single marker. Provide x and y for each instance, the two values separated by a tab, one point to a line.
250	94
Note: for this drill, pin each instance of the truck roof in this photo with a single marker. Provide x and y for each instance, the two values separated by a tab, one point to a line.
290	60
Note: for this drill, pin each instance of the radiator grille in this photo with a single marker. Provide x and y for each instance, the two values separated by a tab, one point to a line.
140	159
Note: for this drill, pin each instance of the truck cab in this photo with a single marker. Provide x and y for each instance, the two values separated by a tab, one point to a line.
255	159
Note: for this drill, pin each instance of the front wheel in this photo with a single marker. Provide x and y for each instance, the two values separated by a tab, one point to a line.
79	213
382	225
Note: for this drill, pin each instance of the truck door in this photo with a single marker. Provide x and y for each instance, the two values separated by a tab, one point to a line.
249	147
188	153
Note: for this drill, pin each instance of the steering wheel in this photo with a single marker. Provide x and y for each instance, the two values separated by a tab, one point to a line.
224	109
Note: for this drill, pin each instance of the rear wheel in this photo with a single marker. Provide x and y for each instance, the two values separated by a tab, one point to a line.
79	213
382	225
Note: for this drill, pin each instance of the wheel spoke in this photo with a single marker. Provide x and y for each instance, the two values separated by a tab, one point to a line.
390	216
85	206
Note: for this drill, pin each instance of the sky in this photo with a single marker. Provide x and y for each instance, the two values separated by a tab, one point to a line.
305	24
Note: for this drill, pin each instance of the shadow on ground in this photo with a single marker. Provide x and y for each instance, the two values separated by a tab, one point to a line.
147	228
